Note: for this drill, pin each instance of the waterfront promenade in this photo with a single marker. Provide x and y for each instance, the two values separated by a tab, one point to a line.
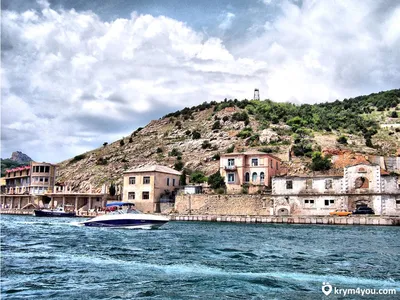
323	220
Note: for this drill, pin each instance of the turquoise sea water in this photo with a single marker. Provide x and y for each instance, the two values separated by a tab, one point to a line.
52	258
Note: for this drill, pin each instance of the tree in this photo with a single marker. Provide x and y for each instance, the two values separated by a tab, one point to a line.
198	177
216	181
121	142
159	150
112	189
105	144
394	114
216	125
196	135
178	165
320	163
182	178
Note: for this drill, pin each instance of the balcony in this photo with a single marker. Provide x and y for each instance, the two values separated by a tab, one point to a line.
230	168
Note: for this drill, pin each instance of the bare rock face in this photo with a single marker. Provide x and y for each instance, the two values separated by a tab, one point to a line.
268	136
20	157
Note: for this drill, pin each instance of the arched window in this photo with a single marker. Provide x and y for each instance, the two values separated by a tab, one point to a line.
247	177
262	176
361	182
254	177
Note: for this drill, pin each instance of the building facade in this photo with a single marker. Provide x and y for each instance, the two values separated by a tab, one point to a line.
148	186
251	170
360	185
27	183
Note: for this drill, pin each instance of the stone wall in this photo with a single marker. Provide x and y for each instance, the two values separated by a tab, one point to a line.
255	205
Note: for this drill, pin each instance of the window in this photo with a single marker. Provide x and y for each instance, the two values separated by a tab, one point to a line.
231	177
168	181
131	196
173	182
270	163
262	176
132	180
20	173
145	195
41	169
397	203
309	203
254	162
308	184
289	184
146	180
46	179
231	162
277	165
329	202
361	182
247	177
254	177
47	169
328	184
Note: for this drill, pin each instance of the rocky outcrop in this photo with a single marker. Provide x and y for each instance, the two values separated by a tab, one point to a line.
20	157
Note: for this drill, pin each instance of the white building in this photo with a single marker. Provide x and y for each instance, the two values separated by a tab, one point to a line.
360	185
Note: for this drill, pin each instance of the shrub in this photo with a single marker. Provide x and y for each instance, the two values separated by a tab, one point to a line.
105	144
175	152
225	118
121	142
342	140
182	178
188	132
178	165
266	150
216	125
368	143
245	188
130	140
320	163
240	116
206	144
217	118
198	177
394	114
216	157
220	191
196	135
112	189
178	124
245	133
102	161
230	149
77	158
159	150
216	181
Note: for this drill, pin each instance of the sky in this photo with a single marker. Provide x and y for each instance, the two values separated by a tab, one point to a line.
78	73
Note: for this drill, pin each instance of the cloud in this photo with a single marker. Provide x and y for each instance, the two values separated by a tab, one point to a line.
227	21
323	50
72	81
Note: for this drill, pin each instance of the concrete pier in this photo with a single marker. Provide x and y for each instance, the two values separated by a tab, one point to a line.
324	220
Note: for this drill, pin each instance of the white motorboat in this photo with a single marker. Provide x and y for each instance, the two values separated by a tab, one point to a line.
126	216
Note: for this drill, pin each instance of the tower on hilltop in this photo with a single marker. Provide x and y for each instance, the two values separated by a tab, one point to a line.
256	94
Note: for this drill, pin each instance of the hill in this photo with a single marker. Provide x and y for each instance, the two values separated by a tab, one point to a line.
193	138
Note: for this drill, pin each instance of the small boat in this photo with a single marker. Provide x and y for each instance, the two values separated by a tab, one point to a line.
124	215
57	212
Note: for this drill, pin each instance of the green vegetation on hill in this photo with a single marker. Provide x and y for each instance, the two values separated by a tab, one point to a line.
352	115
9	164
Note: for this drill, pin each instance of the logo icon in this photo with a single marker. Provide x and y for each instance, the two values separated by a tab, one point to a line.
326	288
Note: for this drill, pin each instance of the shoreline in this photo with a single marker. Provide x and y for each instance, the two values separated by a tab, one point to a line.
315	220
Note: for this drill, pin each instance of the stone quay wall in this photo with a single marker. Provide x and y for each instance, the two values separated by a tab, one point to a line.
370	220
240	205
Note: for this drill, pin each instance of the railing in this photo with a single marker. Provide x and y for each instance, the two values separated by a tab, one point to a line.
230	168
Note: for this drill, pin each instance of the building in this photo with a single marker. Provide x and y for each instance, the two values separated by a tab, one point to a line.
193	189
252	170
363	184
27	183
149	186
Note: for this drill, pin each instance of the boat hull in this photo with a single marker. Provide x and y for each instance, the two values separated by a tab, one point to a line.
127	221
44	213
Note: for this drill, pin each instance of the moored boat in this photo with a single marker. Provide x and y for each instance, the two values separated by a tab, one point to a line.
126	216
57	212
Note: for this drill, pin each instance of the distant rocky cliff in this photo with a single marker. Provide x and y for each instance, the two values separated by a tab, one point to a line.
20	157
